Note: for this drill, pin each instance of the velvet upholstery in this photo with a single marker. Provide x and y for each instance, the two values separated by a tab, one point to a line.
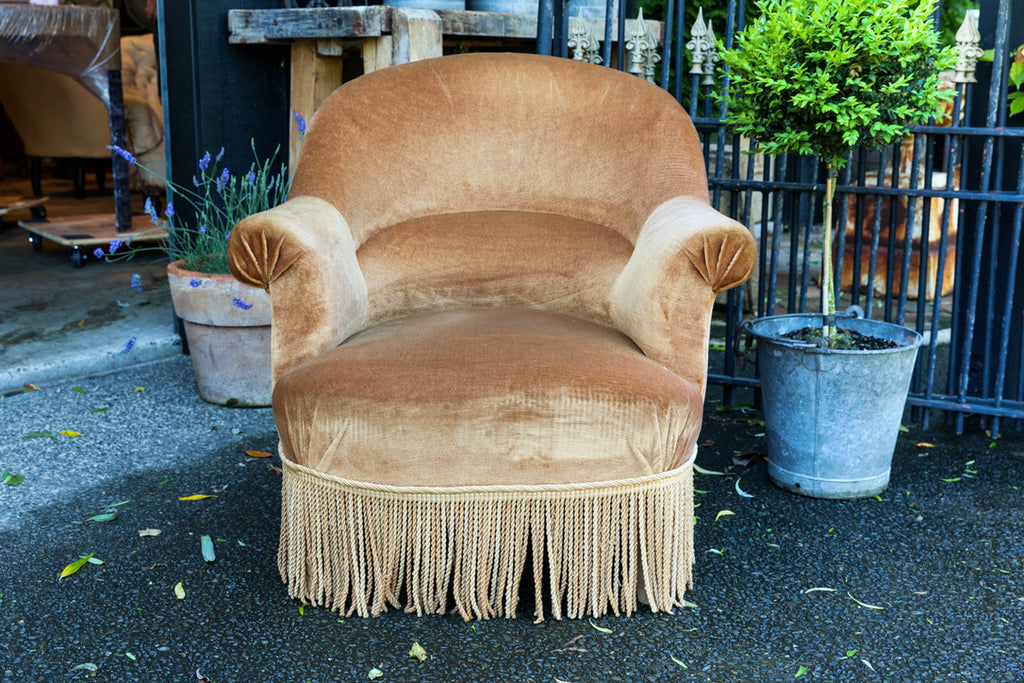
491	289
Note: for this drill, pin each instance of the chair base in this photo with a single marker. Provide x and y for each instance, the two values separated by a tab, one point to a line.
362	548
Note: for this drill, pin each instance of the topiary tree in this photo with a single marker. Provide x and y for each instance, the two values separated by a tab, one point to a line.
822	76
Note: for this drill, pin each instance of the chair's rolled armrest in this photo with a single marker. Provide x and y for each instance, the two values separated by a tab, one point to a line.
303	253
685	254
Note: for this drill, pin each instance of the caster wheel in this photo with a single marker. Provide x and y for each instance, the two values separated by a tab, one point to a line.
38	213
77	257
36	241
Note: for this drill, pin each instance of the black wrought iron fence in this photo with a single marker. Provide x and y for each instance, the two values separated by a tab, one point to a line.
930	228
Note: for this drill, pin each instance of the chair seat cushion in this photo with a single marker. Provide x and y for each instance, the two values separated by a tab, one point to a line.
486	396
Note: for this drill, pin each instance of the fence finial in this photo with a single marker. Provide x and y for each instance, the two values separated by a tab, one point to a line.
711	57
584	44
698	43
968	49
643	49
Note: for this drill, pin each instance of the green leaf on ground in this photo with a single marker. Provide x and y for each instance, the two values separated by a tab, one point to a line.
206	544
800	672
74	566
108	516
40	435
12	479
600	629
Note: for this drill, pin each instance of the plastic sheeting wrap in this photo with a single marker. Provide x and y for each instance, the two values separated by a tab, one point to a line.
82	42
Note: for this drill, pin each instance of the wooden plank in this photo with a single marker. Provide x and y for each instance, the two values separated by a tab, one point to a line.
314	76
415	35
491	24
10	204
94	230
502	25
376	54
273	25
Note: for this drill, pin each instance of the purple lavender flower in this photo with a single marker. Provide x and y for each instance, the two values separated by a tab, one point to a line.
194	283
128	346
204	163
97	252
251	178
241	304
150	210
136	282
202	229
123	153
115	244
301	122
225	176
169	211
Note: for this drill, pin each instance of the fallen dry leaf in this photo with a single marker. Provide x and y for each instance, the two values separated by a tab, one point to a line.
275	470
69	432
30	387
924	444
196	496
179	592
149	532
418	652
747	458
864	604
259	454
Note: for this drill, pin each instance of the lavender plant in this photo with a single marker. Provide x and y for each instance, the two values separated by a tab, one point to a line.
219	198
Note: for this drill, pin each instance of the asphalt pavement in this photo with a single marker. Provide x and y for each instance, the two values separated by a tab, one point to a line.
925	583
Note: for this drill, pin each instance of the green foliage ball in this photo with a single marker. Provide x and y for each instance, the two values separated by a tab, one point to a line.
822	76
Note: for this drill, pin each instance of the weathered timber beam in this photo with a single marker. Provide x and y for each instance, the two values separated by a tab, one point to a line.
490	24
278	25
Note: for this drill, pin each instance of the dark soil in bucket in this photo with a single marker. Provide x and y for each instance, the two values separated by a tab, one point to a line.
845	340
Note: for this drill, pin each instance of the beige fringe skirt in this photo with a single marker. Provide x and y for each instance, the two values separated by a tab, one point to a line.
361	548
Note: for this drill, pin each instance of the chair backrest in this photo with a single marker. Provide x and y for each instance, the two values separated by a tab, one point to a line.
54	114
485	132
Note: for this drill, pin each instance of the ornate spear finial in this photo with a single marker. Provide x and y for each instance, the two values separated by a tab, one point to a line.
711	57
968	49
643	49
698	43
584	44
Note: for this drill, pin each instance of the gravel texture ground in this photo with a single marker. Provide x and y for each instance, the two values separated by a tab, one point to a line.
924	584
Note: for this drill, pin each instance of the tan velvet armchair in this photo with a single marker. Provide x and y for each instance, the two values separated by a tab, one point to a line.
492	289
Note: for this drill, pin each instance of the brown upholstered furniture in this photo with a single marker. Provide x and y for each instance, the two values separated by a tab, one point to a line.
57	116
491	290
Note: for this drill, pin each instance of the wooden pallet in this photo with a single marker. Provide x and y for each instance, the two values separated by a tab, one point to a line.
83	234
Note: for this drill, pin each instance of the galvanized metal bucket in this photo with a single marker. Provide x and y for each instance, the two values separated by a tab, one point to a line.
832	417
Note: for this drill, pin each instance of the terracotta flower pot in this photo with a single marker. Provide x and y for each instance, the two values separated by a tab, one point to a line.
227	325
